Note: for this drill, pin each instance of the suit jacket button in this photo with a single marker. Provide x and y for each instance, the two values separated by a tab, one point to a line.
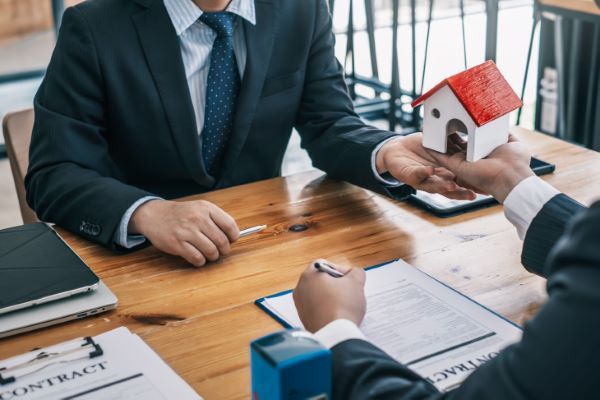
95	230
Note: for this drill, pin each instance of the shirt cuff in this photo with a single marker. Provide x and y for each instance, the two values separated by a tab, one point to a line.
390	182
525	201
337	332
122	238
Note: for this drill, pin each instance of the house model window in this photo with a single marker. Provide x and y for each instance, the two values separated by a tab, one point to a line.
475	103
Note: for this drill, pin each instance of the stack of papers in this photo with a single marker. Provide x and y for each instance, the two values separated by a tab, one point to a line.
116	365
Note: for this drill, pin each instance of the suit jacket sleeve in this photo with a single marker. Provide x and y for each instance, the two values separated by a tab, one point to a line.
362	371
336	139
557	358
72	179
545	230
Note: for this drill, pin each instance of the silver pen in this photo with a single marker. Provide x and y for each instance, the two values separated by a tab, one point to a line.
328	269
250	231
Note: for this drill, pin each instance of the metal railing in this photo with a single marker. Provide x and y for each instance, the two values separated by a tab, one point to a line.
393	107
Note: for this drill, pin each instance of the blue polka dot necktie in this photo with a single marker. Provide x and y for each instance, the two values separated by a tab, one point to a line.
221	91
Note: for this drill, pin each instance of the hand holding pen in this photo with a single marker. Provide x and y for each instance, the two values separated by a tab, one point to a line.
324	266
327	292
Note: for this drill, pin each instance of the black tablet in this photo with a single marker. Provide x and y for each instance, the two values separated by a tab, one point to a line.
445	207
37	266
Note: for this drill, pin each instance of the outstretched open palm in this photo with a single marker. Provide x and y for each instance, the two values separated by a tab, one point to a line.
408	161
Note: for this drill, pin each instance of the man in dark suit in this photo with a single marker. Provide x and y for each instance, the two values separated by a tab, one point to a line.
148	100
559	354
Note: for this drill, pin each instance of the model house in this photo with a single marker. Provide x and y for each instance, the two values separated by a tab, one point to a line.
475	103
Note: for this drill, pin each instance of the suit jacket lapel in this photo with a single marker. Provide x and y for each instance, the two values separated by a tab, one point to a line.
161	48
259	42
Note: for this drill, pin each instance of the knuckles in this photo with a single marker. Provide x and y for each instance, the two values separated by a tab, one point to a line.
222	243
198	217
233	230
190	217
198	261
212	254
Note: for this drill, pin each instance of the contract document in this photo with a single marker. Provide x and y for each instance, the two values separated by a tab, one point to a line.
431	328
115	365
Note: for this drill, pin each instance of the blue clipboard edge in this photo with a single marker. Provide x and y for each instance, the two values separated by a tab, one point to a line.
260	301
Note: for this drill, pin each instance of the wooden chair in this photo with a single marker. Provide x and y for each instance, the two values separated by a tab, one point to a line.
17	127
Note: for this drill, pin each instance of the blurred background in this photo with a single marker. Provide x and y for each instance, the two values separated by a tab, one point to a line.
392	51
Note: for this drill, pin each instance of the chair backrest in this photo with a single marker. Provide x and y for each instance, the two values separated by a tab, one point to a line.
17	127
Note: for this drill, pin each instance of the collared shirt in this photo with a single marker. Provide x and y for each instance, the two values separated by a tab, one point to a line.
196	40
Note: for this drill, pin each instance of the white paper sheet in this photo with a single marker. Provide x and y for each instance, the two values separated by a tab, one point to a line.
436	331
128	369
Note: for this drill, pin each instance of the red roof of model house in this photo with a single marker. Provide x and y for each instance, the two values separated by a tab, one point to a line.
483	92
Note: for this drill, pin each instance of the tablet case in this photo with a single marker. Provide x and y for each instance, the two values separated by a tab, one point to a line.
36	263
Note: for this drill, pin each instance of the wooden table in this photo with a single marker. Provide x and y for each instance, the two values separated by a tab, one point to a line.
202	320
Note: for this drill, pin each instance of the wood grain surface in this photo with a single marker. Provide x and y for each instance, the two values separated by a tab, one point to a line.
582	6
201	321
20	17
23	17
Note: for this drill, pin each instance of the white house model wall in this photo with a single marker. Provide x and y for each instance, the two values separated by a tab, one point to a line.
435	122
445	115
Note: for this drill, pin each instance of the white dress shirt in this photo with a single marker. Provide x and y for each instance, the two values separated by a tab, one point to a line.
196	40
521	206
525	201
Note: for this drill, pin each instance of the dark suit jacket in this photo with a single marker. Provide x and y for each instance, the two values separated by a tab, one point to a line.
114	121
559	354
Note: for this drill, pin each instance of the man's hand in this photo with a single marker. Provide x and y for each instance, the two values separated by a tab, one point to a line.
408	161
321	298
497	174
198	231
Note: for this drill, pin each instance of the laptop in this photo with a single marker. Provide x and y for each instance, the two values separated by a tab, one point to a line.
59	311
37	267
